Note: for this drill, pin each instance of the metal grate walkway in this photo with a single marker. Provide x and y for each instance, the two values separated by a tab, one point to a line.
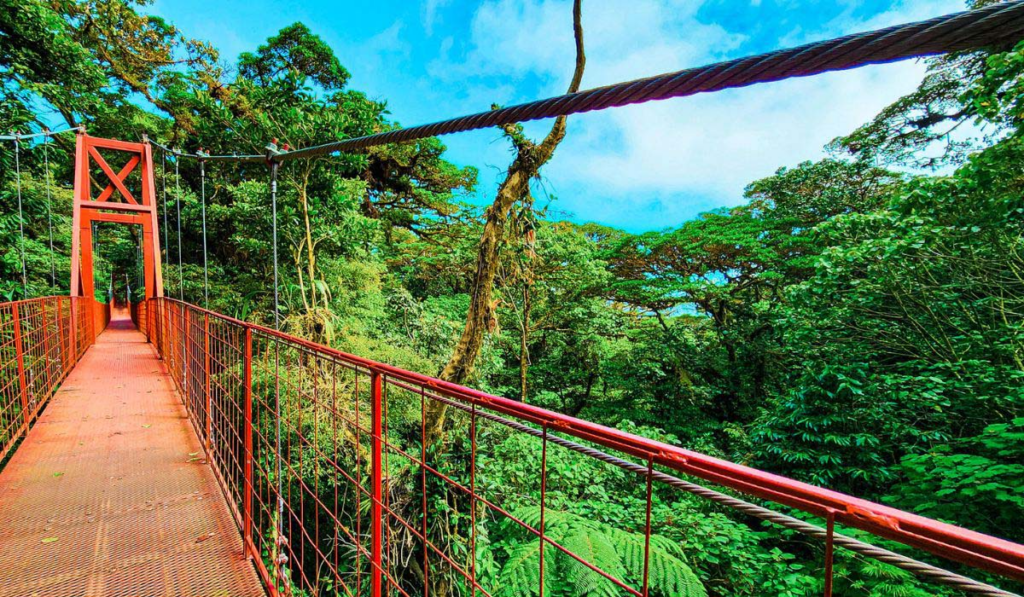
110	493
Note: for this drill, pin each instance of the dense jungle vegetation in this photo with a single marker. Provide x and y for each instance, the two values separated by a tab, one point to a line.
855	322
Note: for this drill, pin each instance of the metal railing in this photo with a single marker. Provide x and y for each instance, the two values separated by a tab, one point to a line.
326	462
41	340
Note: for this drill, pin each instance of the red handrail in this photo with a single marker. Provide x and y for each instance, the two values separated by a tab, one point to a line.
294	358
258	398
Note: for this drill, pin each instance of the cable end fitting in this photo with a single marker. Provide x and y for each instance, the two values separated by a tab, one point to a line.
273	153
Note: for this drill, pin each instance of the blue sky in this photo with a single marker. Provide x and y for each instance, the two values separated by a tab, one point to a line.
639	168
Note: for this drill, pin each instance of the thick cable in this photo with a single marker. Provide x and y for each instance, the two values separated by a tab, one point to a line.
177	203
995	24
41	134
971	30
21	215
206	272
49	210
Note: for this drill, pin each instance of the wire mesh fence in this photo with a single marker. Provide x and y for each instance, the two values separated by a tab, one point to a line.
41	340
351	477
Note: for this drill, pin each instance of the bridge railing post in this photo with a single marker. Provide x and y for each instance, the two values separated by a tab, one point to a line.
376	484
47	355
91	323
19	351
207	398
73	344
62	353
186	341
247	488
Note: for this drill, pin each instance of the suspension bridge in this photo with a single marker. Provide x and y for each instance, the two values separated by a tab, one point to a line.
166	449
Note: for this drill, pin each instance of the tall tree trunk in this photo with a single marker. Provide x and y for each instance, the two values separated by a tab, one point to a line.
303	189
530	157
524	337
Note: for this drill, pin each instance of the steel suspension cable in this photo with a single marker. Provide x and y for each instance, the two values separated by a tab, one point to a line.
167	246
177	203
281	558
206	273
995	24
21	214
49	210
41	134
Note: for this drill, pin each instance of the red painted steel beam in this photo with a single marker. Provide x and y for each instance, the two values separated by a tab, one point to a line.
152	266
121	176
133	219
114	178
116	145
81	195
133	211
247	486
376	484
106	205
949	541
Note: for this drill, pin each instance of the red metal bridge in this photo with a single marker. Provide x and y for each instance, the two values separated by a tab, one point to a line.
165	449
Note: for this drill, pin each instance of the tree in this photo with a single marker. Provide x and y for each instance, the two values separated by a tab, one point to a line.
515	187
908	333
920	129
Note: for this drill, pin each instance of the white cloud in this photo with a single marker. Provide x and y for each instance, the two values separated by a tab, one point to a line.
657	164
515	38
375	56
432	14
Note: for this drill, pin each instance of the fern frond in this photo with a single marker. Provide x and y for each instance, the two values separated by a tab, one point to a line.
521	573
597	549
668	574
618	553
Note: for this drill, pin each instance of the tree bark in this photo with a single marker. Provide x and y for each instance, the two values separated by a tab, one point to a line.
524	337
530	157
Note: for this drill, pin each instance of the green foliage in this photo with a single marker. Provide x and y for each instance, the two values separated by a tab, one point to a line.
984	471
920	341
618	553
295	53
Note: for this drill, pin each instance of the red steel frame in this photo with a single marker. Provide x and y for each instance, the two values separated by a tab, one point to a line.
234	375
131	210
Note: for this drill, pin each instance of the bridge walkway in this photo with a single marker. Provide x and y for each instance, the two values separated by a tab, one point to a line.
110	493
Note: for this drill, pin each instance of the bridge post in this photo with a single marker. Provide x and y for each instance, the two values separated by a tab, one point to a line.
46	345
19	351
186	342
61	352
247	487
206	372
376	484
73	337
90	321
